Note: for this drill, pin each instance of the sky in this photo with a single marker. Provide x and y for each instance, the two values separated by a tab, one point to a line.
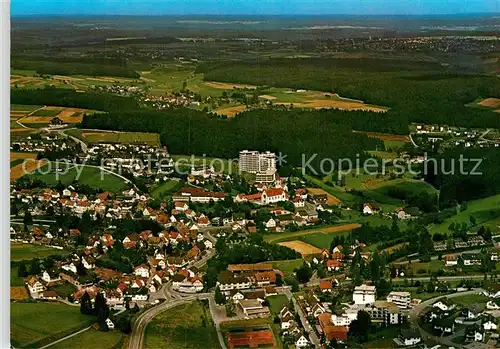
251	7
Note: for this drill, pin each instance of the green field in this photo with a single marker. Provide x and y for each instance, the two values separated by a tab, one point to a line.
276	303
185	326
90	136
425	268
91	339
16	162
48	112
486	211
167	188
64	290
19	251
319	240
288	266
31	322
14	279
21	107
467	301
89	176
294	235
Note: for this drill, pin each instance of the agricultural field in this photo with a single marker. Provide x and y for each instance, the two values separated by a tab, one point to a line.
18	293
185	326
231	111
386	137
84	174
20	251
15	280
21	168
315	100
486	211
287	266
91	339
486	103
42	116
301	247
93	136
332	200
331	230
31	322
425	268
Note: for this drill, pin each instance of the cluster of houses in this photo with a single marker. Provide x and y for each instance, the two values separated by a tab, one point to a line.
473	240
43	143
444	316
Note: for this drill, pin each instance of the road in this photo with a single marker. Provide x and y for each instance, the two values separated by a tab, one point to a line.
79	141
445	278
172	299
303	317
415	312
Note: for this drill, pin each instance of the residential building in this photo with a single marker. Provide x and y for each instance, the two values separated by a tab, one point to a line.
254	162
364	294
401	299
253	308
409	336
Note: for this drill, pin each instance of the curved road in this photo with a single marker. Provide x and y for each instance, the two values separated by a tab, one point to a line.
415	312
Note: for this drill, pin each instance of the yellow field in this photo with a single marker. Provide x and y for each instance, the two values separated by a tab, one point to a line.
18	293
326	230
490	102
231	111
332	200
228	86
301	247
20	170
336	104
67	115
267	97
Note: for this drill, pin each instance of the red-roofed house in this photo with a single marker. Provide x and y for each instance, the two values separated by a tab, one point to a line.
274	195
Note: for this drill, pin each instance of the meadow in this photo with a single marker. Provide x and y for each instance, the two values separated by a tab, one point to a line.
93	136
20	251
330	230
91	339
486	211
287	266
91	176
276	303
167	188
185	326
32	322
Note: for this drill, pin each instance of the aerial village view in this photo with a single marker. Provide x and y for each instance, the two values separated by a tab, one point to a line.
311	180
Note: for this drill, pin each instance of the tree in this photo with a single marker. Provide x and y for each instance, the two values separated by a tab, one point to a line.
472	220
279	280
219	297
375	268
321	271
21	270
86	304
35	267
27	220
360	327
303	273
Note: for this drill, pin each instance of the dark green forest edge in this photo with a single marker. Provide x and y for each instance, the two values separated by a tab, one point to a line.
414	92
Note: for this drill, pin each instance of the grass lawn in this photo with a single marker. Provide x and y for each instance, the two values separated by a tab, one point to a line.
31	322
14	279
483	210
288	266
166	188
19	251
428	267
89	175
91	339
467	301
186	326
64	289
276	303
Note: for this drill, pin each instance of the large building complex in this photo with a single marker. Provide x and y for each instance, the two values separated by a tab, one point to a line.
255	162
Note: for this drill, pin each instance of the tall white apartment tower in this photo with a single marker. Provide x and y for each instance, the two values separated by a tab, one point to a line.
254	162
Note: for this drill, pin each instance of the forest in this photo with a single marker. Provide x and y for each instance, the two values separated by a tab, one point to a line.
415	92
327	133
69	98
76	68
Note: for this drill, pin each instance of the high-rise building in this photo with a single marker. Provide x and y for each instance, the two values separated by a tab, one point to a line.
253	161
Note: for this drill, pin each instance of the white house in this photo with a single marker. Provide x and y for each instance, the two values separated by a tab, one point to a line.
302	342
208	244
274	195
490	324
410	337
271	223
142	271
444	305
35	287
491	305
110	324
368	209
401	299
140	297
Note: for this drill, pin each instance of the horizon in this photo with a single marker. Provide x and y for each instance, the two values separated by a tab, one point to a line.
65	8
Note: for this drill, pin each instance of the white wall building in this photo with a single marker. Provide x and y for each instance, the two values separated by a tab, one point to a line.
364	294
